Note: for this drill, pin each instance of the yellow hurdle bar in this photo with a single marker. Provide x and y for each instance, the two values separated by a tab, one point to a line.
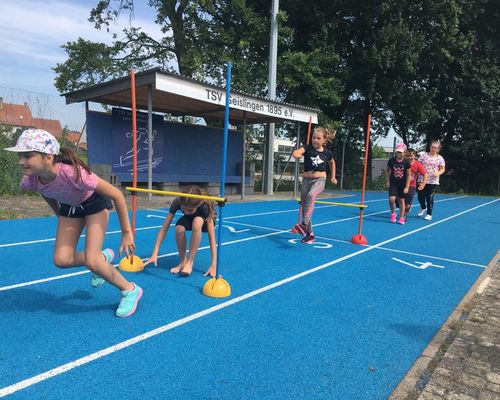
180	194
334	203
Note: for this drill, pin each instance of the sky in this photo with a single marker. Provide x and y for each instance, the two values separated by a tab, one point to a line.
33	31
31	35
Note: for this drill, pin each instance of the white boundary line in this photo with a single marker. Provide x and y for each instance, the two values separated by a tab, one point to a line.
140	338
379	248
275	230
159	226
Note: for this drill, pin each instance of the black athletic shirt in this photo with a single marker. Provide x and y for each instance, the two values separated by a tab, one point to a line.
202	211
315	160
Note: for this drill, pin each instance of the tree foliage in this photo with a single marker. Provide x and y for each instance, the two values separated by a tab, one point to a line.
429	69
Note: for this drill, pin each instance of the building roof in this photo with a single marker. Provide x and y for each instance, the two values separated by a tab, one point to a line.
178	95
15	114
20	115
50	125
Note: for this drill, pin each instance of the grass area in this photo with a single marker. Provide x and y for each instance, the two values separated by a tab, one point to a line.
7	214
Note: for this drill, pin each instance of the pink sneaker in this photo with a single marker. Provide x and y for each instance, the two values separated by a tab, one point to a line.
393	217
401	221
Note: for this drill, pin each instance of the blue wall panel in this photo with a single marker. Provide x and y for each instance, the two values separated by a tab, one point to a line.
190	153
99	138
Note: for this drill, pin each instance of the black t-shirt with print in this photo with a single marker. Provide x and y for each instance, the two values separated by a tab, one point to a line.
397	170
315	160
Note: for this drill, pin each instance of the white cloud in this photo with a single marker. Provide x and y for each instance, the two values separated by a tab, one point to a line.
31	35
36	30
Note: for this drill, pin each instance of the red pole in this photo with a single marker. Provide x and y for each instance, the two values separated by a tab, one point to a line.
359	238
134	150
309	129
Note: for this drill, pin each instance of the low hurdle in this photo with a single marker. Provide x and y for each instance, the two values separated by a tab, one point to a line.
216	286
178	194
336	203
358	238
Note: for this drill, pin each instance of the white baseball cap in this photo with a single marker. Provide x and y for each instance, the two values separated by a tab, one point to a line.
36	140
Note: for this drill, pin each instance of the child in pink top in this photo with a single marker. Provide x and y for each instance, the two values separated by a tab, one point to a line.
435	167
79	198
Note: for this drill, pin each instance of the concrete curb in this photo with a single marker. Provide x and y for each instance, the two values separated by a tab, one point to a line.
418	375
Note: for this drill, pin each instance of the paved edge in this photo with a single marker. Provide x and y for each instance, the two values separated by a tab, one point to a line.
417	376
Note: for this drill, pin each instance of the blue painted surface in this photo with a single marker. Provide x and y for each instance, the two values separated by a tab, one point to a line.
350	330
183	148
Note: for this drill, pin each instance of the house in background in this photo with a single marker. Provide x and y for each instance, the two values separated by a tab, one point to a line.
76	139
19	116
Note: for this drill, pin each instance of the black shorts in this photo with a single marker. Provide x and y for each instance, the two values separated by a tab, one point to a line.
94	204
397	190
187	223
409	196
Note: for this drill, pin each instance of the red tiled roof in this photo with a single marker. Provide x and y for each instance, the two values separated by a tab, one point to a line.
50	125
15	114
73	137
20	115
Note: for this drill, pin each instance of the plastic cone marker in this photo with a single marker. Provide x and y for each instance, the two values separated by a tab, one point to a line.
216	287
135	266
359	239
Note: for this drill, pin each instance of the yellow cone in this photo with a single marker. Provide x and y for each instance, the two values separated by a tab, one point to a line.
216	288
135	266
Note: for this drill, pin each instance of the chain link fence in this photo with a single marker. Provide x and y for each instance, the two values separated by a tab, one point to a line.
21	109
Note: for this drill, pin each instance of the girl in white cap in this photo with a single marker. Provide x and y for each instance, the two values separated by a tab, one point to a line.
79	199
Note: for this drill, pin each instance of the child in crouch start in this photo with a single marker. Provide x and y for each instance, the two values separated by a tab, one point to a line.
79	199
199	216
316	158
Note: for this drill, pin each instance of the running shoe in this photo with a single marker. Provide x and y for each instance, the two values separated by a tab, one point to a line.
309	238
421	212
301	229
428	217
129	301
401	221
393	217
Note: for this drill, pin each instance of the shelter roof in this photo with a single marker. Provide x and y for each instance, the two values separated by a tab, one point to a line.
178	95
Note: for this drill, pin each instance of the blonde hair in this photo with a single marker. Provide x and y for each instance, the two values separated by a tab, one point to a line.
328	134
435	141
192	202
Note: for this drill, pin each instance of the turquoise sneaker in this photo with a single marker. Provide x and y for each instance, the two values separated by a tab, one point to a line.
129	301
96	280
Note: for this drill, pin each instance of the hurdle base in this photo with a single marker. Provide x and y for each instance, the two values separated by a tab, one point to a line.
359	239
136	265
216	287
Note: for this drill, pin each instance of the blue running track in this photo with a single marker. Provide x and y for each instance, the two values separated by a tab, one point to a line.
328	320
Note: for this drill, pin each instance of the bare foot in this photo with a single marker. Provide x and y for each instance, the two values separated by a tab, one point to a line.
188	268
177	269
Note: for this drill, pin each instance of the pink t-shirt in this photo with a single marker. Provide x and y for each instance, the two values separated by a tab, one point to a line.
431	165
64	187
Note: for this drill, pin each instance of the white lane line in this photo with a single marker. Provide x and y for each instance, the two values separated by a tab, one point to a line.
233	217
81	236
150	227
379	248
122	345
277	231
35	282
